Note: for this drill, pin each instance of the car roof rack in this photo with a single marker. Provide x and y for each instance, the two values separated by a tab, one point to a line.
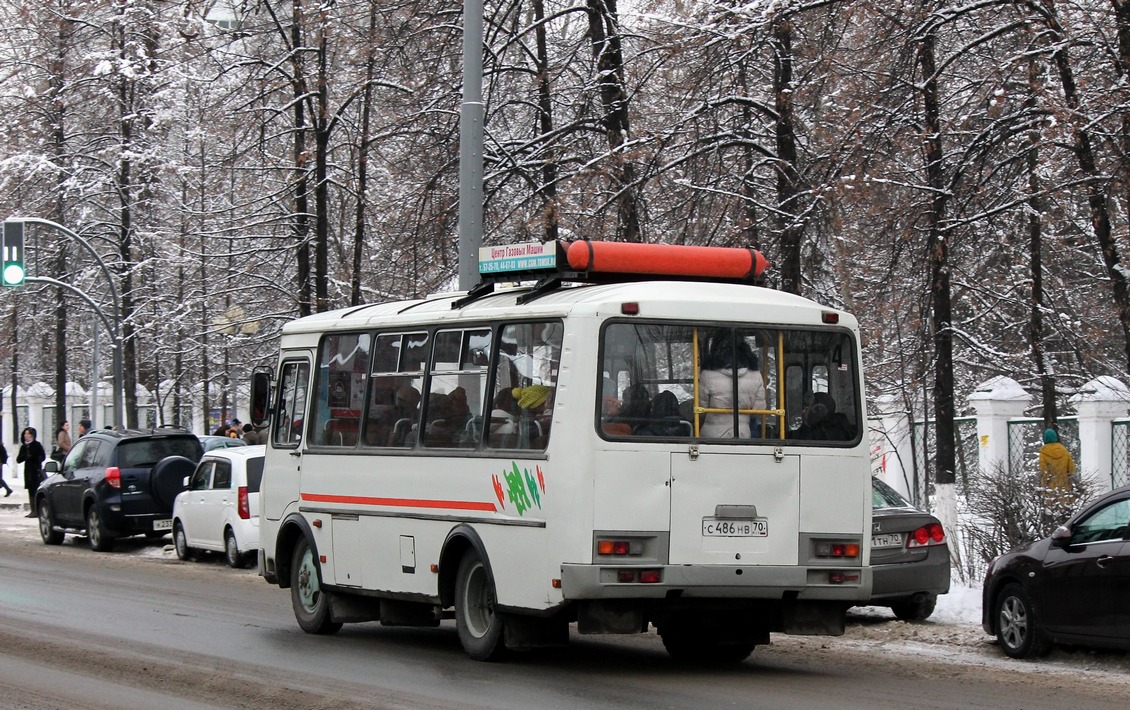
553	264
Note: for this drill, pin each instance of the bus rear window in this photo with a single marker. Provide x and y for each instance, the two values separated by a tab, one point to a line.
663	381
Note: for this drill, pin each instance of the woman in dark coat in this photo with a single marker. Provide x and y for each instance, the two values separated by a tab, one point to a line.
32	457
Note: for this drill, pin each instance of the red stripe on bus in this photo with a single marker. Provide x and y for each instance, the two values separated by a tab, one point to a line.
401	502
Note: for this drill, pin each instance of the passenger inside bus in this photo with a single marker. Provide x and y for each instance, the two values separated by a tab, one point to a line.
664	418
721	363
821	421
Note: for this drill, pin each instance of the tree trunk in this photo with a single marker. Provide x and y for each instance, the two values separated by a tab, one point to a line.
788	179
363	162
938	253
1096	193
1035	253
604	33
548	188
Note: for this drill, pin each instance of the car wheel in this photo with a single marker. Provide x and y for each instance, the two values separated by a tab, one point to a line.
180	543
234	557
47	530
917	608
478	623
1018	629
311	603
100	538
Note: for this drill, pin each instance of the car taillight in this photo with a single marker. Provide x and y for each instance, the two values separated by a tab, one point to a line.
114	477
837	549
931	534
244	506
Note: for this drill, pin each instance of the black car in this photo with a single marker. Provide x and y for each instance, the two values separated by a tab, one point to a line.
1072	587
114	484
910	559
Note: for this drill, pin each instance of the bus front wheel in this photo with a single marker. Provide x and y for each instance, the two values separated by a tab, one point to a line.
311	603
478	623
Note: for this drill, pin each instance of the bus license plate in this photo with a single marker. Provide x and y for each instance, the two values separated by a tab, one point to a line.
163	524
712	527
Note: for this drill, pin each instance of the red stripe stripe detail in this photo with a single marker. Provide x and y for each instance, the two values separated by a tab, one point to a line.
402	502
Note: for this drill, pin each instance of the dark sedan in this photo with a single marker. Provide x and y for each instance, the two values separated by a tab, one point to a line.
910	559
1072	587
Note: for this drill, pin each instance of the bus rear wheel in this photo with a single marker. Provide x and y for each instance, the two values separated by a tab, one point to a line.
310	602
476	619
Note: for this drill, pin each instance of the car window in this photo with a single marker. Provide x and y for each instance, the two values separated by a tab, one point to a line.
221	478
1107	523
883	496
201	477
73	458
96	455
147	452
254	474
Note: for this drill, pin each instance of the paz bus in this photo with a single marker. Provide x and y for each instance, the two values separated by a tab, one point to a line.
629	441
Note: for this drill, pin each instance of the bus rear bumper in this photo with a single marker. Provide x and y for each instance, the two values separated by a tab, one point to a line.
846	584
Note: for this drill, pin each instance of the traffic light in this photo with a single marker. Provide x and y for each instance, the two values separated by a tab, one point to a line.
12	266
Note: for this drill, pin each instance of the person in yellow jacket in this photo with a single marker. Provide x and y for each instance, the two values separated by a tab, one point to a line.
1057	468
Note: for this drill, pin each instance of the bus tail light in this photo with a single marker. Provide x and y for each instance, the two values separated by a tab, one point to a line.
643	576
244	505
114	477
849	550
930	534
619	547
843	578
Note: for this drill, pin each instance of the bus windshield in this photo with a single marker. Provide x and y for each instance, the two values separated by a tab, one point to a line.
725	383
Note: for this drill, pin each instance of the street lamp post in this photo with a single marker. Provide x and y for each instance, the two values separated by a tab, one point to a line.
113	324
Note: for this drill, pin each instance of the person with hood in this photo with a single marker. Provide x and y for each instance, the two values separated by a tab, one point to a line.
728	370
32	457
1057	468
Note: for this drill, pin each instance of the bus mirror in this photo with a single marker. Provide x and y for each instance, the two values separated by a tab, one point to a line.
260	395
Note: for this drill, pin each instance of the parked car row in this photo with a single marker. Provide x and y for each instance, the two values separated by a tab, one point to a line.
118	483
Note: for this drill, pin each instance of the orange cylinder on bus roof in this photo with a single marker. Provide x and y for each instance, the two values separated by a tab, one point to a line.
666	259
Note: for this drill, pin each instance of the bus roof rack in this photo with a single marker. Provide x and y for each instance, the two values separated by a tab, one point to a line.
552	264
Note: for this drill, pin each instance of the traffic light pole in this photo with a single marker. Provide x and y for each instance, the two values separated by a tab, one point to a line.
113	325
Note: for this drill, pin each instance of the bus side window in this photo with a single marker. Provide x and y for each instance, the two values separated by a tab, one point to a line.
394	398
291	405
525	385
342	367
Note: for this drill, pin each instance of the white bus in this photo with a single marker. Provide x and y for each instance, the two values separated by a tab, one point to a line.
527	458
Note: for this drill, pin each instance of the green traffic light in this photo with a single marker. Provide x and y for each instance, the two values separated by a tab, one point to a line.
13	274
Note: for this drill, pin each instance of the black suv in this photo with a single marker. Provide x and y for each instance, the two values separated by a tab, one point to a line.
115	484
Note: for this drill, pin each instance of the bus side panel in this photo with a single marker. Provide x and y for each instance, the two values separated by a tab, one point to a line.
831	492
631	491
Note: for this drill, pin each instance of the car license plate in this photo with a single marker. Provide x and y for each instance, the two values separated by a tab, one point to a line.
888	540
163	524
713	527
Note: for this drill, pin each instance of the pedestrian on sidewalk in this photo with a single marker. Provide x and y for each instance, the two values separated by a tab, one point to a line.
3	463
32	457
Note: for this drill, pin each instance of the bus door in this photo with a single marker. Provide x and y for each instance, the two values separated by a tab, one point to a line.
730	507
281	473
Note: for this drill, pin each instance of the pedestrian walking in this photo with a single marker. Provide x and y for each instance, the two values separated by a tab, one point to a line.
32	457
62	442
3	463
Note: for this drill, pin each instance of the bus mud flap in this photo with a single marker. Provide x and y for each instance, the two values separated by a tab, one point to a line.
813	618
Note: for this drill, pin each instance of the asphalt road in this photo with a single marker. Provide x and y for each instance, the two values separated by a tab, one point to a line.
137	628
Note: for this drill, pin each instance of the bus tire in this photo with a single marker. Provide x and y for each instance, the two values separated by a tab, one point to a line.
476	619
309	600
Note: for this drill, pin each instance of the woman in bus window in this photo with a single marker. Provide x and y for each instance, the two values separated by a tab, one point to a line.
726	369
